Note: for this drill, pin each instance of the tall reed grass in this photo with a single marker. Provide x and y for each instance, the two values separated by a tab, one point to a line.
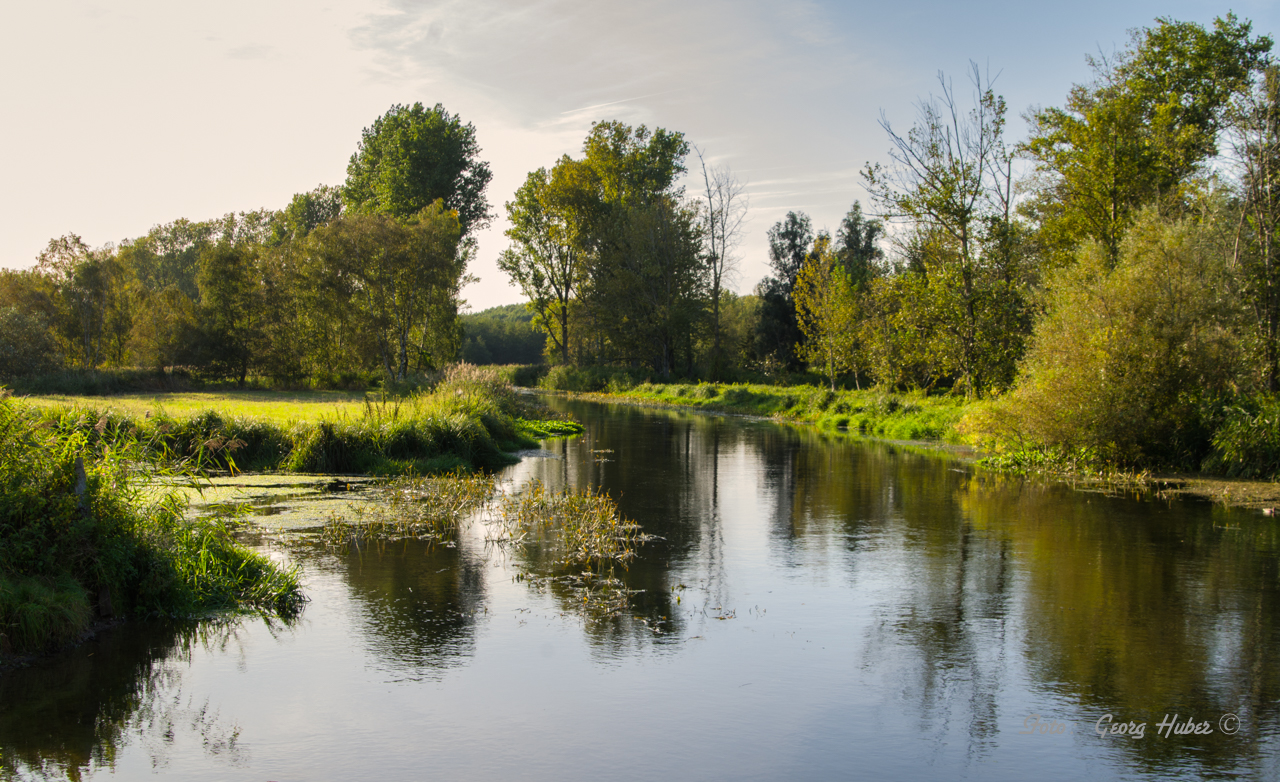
79	540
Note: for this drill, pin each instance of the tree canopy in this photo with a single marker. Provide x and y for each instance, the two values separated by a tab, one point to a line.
411	157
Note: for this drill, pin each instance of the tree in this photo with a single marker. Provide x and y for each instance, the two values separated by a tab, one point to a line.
1256	135
93	316
232	309
547	256
827	310
305	213
949	174
400	279
725	210
1138	133
410	158
26	344
651	282
1130	359
856	247
778	332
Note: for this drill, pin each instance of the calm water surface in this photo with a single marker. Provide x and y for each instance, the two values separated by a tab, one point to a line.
816	608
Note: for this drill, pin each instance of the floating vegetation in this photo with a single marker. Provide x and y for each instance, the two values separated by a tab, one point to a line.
570	542
577	528
430	508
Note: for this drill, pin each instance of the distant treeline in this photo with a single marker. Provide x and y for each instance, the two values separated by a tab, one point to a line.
344	283
502	335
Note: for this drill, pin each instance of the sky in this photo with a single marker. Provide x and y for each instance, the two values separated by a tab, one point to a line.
124	115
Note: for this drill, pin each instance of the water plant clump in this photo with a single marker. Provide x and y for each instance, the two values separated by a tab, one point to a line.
574	527
430	508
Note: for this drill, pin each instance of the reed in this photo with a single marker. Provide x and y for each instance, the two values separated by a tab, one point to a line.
80	539
426	508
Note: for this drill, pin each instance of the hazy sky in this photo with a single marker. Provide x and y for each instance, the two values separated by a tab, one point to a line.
122	115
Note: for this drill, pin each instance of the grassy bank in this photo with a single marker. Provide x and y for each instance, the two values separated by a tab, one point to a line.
471	420
81	543
874	413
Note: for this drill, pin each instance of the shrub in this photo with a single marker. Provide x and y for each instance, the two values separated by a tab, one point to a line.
1128	363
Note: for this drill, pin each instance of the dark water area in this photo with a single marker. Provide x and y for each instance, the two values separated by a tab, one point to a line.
816	607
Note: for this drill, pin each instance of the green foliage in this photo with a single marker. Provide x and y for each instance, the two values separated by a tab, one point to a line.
1138	134
1247	443
827	309
470	420
26	345
395	282
1129	363
874	413
951	176
77	538
589	379
502	335
412	157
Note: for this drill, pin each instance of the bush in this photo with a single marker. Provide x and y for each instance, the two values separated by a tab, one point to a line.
1128	363
1247	444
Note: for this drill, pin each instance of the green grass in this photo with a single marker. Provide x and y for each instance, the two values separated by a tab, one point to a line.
279	406
472	420
873	413
80	540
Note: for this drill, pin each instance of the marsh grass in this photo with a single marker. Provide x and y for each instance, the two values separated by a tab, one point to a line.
470	420
573	528
426	508
80	538
569	541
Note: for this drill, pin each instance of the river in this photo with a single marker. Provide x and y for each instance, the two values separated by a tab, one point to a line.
814	607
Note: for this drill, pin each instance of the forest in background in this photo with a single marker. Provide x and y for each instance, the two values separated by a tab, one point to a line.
1103	291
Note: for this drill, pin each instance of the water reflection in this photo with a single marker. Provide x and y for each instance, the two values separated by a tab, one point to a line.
64	718
952	606
416	601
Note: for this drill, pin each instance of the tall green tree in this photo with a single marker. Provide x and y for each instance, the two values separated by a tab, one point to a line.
1137	134
413	156
857	247
827	309
232	311
949	174
547	257
93	313
778	330
1256	137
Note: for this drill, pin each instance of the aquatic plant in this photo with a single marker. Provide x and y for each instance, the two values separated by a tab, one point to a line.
576	527
433	508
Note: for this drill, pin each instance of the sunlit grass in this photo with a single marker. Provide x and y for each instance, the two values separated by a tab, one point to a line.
278	406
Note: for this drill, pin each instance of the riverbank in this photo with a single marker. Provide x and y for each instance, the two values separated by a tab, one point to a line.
922	419
871	413
82	542
472	420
